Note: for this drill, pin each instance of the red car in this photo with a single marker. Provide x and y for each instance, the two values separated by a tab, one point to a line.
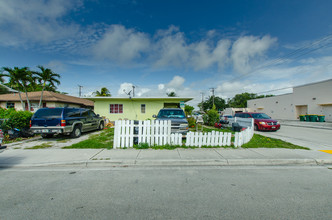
262	121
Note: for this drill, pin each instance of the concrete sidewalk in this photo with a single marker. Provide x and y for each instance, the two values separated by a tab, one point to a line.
178	157
297	123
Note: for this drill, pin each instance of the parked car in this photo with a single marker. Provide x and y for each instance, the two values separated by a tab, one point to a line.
262	121
67	121
177	117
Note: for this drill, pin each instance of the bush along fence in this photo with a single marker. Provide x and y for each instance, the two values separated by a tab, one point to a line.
129	132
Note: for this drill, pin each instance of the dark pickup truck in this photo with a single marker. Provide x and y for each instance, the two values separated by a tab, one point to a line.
179	122
67	121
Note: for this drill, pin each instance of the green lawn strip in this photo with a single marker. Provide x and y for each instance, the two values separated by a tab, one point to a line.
41	146
260	141
102	140
105	140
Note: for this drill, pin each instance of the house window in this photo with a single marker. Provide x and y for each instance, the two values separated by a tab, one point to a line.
10	105
143	108
116	108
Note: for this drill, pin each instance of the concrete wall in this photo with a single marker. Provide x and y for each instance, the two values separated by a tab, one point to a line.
131	109
315	98
277	107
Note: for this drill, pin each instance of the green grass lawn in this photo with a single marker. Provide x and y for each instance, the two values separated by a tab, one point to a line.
105	140
260	141
42	146
102	140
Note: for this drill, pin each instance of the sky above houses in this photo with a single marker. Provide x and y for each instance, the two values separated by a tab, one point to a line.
189	47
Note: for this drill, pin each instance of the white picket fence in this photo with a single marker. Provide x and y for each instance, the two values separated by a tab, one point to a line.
159	133
151	132
244	122
214	138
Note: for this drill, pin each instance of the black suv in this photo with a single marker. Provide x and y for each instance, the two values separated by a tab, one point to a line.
67	121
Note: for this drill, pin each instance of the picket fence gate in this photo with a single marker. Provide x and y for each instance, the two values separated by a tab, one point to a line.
155	132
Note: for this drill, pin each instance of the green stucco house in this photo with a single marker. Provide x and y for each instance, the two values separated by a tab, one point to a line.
135	108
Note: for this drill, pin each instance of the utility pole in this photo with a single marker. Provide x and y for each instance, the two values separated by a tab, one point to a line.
212	89
80	90
202	94
133	90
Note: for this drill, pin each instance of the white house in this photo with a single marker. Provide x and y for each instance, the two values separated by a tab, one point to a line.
313	98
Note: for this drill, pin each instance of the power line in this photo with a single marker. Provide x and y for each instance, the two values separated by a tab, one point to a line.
295	54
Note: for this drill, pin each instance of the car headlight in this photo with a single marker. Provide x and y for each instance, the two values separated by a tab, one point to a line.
262	123
278	123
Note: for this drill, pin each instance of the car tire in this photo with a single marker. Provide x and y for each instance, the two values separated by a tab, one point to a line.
47	135
101	126
76	132
256	127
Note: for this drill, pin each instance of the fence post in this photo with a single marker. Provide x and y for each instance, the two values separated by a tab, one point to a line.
236	139
229	136
221	135
152	132
116	135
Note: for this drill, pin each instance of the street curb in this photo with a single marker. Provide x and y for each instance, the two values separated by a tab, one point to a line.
310	126
170	163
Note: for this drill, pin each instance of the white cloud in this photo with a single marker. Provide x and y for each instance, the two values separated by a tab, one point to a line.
126	89
246	48
161	86
176	82
121	45
32	21
170	48
204	56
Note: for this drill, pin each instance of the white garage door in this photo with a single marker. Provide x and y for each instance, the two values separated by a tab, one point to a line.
327	111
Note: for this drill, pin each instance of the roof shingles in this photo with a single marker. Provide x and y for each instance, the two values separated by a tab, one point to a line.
47	96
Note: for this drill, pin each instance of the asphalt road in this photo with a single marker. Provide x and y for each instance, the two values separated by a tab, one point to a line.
314	138
167	193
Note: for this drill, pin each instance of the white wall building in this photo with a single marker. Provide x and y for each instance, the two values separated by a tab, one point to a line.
313	98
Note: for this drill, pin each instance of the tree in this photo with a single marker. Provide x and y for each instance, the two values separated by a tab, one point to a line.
188	109
103	92
46	76
213	116
2	75
219	103
171	94
20	79
240	100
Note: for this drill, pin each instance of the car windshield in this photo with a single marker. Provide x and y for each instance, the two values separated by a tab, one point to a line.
171	114
260	116
48	113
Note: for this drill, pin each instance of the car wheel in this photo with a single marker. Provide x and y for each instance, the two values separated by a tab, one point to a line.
256	128
101	126
47	135
76	132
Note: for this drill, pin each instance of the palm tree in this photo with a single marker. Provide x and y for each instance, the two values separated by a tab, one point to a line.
171	94
103	92
20	79
46	76
2	75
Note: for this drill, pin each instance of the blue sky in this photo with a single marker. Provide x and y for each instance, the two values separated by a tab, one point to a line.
163	46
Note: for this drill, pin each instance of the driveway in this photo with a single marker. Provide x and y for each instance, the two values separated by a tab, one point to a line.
56	142
314	138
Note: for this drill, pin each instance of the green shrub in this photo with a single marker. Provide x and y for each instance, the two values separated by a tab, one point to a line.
206	119
213	116
191	122
16	119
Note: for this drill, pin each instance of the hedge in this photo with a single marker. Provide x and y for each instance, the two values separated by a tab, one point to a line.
14	119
